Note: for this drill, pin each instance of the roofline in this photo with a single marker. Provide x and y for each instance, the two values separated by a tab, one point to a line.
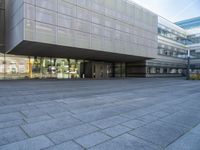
186	20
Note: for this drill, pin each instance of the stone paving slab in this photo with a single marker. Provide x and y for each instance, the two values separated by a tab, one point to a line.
196	129
190	141
35	143
116	130
33	112
66	146
11	117
159	133
43	127
9	135
128	114
186	119
109	122
125	142
133	124
37	119
14	123
92	139
71	133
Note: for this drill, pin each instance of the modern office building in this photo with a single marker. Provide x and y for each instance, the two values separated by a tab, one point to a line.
192	27
171	51
88	39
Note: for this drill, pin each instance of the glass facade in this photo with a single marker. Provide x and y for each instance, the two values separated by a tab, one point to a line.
15	67
164	70
190	23
171	34
24	67
172	52
193	39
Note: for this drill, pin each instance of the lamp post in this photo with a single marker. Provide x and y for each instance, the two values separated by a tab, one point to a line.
188	64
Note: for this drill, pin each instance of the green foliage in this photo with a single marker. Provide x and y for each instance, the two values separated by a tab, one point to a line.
195	77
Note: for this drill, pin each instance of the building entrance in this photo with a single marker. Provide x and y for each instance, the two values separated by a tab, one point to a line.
101	70
96	70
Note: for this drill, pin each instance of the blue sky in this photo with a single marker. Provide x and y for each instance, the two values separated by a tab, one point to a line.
173	10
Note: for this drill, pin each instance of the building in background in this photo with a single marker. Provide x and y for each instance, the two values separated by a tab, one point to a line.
91	39
192	28
171	51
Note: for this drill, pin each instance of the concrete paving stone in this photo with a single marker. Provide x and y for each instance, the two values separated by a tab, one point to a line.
35	143
61	115
133	124
17	100
9	135
9	124
196	129
37	119
123	108
49	105
71	133
172	109
159	133
85	104
79	111
37	103
116	130
66	146
45	127
33	112
70	100
148	118
14	108
125	142
53	109
92	139
183	118
10	117
160	114
135	113
105	123
95	100
190	141
95	115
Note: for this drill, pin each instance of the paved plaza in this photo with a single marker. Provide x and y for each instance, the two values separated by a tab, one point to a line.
129	114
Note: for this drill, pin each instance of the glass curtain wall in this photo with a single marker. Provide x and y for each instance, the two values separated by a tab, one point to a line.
119	69
24	67
171	34
16	67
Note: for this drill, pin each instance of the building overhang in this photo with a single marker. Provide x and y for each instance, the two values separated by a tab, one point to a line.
29	48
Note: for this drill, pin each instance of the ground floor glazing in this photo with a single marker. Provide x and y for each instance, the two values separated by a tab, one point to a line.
22	67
